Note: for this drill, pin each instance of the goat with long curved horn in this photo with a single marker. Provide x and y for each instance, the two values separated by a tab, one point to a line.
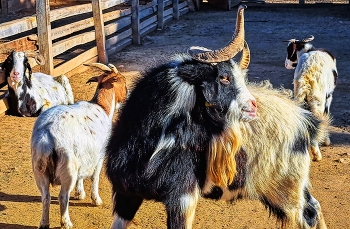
227	52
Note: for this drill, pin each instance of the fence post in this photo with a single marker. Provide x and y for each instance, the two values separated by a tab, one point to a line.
135	22
44	34
4	8
301	1
160	16
176	12
99	31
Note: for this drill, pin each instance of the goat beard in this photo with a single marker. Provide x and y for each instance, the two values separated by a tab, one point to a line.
221	157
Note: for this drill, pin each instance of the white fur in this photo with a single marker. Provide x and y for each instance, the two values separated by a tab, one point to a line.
68	145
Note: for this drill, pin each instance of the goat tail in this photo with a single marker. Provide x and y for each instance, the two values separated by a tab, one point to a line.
44	160
221	157
64	81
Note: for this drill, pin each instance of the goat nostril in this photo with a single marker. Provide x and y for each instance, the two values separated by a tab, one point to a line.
16	73
254	103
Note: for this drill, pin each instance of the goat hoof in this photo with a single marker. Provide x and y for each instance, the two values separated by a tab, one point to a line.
327	142
97	201
66	225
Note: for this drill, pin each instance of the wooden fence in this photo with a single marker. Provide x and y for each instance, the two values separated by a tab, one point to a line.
70	36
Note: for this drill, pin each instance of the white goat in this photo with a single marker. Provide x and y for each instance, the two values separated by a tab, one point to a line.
315	78
68	143
32	93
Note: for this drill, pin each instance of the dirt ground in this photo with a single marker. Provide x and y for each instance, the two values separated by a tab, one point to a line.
267	26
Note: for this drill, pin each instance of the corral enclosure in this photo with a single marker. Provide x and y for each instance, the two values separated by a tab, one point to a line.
267	27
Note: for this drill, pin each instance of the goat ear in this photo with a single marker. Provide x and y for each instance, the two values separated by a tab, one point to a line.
92	79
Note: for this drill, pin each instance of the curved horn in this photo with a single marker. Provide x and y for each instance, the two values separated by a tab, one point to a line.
308	39
291	40
245	58
114	68
230	50
37	57
100	66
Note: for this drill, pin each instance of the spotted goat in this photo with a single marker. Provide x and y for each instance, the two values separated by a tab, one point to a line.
68	143
30	93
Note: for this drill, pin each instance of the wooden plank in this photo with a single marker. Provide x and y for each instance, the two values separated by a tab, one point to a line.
14	27
183	5
63	45
75	62
117	26
85	23
146	30
44	34
148	21
184	11
119	46
176	13
168	12
118	38
99	31
135	22
3	106
160	15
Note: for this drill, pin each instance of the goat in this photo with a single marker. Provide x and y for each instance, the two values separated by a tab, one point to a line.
272	160
189	129
157	149
68	143
315	78
32	93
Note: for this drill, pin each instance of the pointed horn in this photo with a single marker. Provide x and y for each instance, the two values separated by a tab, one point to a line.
245	58
291	40
99	66
37	57
114	68
230	50
308	39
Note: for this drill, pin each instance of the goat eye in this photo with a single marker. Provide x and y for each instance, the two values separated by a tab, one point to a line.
225	79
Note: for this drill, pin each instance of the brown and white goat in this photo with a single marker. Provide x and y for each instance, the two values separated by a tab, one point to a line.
68	143
315	78
32	93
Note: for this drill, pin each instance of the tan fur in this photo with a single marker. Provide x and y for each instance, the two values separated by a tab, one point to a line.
274	171
221	158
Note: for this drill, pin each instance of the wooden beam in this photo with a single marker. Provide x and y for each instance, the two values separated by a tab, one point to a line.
135	21
4	8
176	13
99	31
44	34
75	62
160	15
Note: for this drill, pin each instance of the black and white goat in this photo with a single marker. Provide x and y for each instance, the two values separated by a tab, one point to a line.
68	143
32	93
315	78
185	132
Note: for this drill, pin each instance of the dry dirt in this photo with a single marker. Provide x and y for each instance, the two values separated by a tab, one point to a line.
267	25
